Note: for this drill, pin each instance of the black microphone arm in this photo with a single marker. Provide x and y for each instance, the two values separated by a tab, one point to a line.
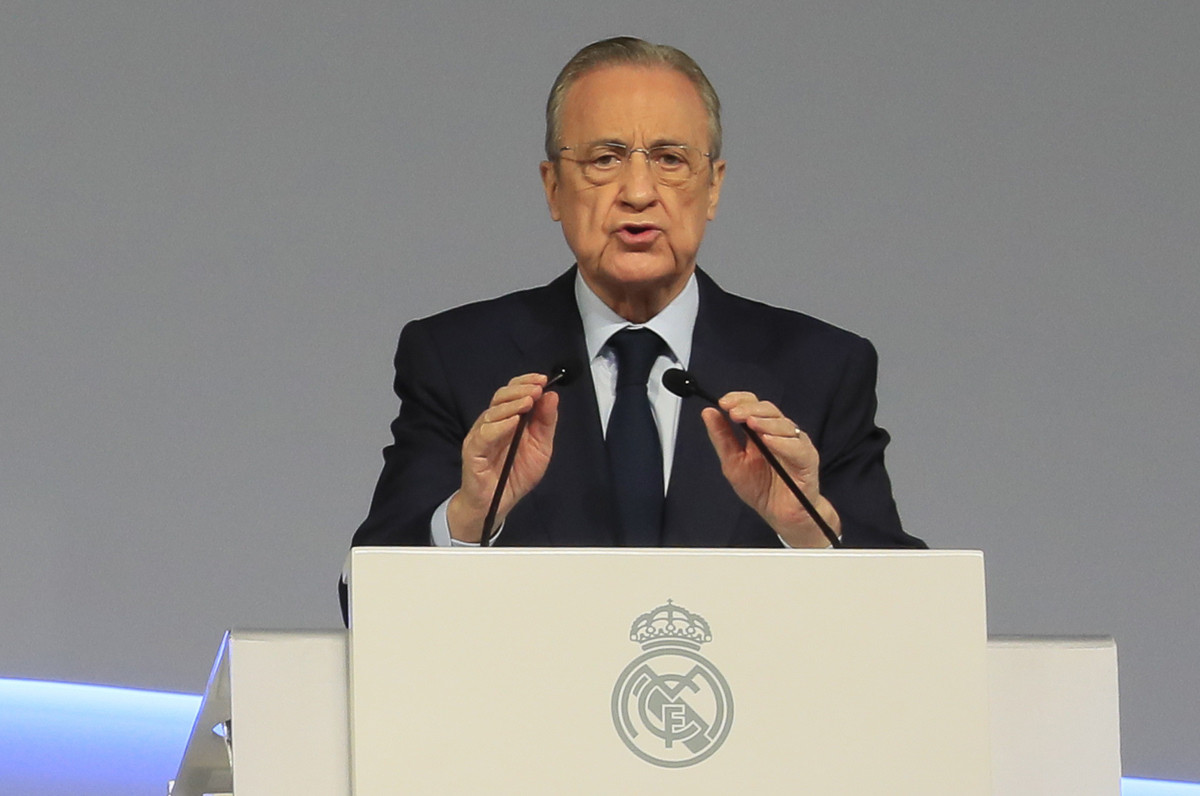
684	385
560	375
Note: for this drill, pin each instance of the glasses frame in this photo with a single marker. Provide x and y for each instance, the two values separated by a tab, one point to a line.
628	158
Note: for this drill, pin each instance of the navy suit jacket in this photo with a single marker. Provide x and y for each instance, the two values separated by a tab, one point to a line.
449	365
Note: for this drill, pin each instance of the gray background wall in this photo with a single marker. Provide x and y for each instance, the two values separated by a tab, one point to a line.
215	217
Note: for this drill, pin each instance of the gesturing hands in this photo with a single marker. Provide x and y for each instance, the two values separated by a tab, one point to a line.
485	447
752	477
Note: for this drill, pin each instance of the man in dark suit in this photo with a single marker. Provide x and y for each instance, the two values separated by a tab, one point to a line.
633	174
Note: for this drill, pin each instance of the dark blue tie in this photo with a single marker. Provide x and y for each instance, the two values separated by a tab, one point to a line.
634	451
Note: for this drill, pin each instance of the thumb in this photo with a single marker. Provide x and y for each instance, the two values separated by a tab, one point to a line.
545	412
720	432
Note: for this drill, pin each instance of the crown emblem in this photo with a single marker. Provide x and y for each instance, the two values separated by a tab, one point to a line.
671	624
671	706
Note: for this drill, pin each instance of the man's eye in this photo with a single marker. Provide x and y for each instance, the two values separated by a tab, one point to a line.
606	160
670	159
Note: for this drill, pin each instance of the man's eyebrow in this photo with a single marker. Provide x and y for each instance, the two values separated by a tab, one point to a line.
595	142
619	143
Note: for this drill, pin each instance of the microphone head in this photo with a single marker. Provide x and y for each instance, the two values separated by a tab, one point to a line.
563	373
680	382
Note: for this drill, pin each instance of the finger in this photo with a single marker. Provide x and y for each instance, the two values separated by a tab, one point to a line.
499	412
736	398
544	418
543	421
494	432
745	410
529	378
797	454
530	384
499	421
546	410
512	392
724	440
778	426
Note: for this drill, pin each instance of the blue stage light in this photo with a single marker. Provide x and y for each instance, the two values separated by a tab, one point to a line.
87	740
64	739
1154	787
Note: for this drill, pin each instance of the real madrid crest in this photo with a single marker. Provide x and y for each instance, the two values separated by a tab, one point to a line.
671	706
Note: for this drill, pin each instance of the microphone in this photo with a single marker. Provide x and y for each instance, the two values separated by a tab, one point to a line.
684	384
563	374
560	375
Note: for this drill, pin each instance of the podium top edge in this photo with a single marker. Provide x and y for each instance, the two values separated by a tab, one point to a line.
660	551
251	634
1059	642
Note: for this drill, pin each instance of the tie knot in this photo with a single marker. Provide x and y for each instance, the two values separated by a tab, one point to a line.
636	351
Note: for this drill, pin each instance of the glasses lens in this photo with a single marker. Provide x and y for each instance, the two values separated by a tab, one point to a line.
603	163
671	165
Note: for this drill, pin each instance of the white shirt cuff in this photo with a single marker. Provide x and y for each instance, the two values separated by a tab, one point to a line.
439	529
787	546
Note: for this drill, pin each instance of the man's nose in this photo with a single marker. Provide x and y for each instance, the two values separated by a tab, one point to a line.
639	185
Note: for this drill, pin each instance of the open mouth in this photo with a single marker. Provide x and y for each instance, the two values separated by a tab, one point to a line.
638	233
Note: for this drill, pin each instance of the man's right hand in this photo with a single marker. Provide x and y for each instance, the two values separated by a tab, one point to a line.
485	448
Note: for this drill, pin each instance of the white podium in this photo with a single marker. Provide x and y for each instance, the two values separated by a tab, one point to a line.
579	671
273	718
497	671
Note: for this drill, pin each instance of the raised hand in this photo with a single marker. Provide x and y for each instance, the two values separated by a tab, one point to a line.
752	477
485	448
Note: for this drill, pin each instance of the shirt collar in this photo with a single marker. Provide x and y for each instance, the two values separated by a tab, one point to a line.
674	324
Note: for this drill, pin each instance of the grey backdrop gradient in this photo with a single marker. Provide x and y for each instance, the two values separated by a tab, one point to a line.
216	216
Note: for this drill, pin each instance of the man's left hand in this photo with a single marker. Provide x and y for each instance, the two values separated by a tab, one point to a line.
752	477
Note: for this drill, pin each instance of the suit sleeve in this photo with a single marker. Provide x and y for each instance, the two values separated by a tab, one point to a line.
423	465
853	476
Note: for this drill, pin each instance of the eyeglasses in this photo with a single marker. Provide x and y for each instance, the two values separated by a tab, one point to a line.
671	164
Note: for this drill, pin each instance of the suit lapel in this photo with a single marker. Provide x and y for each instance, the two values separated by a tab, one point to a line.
570	507
702	509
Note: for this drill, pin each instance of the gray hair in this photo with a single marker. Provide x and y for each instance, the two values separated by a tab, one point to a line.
628	50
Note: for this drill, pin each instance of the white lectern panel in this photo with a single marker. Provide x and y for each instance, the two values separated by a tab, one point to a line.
281	698
497	672
1055	717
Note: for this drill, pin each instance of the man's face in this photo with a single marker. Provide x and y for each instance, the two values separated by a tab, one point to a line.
635	240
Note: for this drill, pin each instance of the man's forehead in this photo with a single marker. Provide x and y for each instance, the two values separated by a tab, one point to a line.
614	102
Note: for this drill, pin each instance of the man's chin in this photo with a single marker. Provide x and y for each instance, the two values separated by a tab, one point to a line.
638	288
643	269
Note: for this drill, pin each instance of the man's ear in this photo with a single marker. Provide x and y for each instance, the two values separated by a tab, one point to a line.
550	185
714	188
